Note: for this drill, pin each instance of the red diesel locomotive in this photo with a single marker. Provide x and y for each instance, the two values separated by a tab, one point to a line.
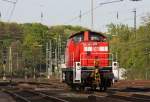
88	61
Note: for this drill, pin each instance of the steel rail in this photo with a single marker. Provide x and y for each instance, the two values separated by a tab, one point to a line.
29	99
48	96
52	97
17	96
130	98
141	96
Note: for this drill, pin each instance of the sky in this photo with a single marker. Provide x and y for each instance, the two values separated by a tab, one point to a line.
67	12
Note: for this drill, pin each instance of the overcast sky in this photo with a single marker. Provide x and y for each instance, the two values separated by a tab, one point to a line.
58	12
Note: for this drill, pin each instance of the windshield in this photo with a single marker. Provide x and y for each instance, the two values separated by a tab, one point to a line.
96	37
78	38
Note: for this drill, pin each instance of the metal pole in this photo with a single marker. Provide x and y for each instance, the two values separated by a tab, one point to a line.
47	60
147	53
34	67
41	13
10	63
92	14
80	16
4	74
4	62
50	58
17	62
60	58
0	16
10	59
117	65
59	49
148	69
41	17
135	22
56	63
40	62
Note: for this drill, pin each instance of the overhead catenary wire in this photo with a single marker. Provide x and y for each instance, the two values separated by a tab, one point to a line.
125	19
89	11
10	1
129	18
12	11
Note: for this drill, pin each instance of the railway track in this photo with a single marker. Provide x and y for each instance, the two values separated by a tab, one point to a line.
125	97
43	92
32	96
133	98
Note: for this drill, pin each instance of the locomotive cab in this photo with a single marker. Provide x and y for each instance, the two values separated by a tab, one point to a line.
88	61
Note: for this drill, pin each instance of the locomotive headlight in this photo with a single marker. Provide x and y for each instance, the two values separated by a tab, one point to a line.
114	65
78	64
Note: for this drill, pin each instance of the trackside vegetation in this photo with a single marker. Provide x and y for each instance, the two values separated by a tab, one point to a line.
131	48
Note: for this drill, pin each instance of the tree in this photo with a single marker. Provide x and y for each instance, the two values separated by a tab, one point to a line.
131	50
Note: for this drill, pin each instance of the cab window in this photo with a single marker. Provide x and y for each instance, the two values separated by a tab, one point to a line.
78	38
96	37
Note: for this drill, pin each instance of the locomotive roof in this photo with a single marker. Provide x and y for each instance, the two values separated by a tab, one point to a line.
93	32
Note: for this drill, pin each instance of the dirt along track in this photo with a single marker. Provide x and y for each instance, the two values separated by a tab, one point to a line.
39	92
127	91
122	91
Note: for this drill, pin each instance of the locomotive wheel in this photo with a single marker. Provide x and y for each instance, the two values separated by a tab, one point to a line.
109	83
73	88
94	87
103	85
77	88
81	88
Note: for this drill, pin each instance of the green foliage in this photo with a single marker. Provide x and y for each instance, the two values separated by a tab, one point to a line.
130	48
34	34
121	31
32	38
61	33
